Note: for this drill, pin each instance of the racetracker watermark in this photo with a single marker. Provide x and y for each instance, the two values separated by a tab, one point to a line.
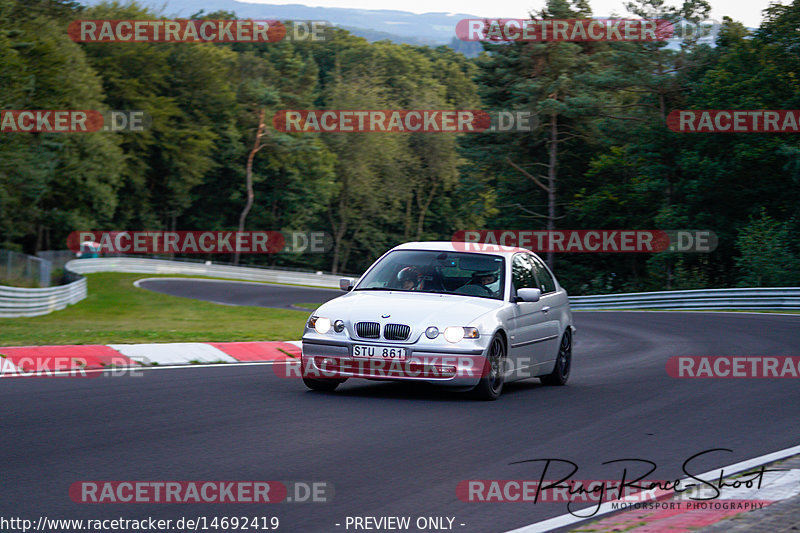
734	121
587	241
533	30
258	492
382	120
65	367
393	363
731	367
197	31
377	366
582	30
72	121
405	121
201	242
572	490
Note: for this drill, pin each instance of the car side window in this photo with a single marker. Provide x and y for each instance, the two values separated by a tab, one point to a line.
522	274
546	281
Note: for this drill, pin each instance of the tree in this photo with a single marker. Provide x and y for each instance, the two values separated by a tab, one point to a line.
51	183
369	172
767	254
547	79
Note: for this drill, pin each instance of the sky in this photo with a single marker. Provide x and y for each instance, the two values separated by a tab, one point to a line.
745	11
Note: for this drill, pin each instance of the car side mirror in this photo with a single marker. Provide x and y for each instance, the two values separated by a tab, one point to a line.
529	295
346	284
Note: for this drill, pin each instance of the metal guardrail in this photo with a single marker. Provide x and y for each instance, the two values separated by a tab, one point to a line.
163	266
18	302
57	258
761	298
19	267
23	302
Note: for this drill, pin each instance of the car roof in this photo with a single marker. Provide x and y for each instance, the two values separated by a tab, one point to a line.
471	247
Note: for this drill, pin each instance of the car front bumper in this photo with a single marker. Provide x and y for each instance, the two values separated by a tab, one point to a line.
453	364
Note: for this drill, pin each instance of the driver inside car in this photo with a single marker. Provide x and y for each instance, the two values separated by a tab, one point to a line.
409	278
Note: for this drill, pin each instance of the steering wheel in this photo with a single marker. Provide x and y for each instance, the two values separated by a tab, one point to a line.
487	289
473	289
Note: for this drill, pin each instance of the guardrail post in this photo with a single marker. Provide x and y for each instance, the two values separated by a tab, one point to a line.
45	272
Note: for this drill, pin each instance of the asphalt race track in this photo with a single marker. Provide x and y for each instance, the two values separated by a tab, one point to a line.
394	449
240	293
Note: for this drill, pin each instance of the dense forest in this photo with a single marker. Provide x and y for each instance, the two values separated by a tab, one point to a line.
600	156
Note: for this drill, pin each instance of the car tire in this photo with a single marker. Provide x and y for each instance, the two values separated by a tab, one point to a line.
323	385
490	387
560	373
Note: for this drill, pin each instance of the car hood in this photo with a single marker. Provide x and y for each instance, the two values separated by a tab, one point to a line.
418	310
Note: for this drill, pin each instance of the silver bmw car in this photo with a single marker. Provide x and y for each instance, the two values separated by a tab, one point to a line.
464	315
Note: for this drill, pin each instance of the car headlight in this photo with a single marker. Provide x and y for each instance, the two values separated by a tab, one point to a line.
321	324
432	332
455	333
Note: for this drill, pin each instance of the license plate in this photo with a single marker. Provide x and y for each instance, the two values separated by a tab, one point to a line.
388	353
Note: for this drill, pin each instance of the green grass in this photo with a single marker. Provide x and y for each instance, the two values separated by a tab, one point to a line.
310	307
117	312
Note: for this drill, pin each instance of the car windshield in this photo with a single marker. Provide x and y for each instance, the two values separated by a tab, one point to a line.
439	272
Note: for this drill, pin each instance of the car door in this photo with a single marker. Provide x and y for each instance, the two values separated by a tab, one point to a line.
528	330
554	307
